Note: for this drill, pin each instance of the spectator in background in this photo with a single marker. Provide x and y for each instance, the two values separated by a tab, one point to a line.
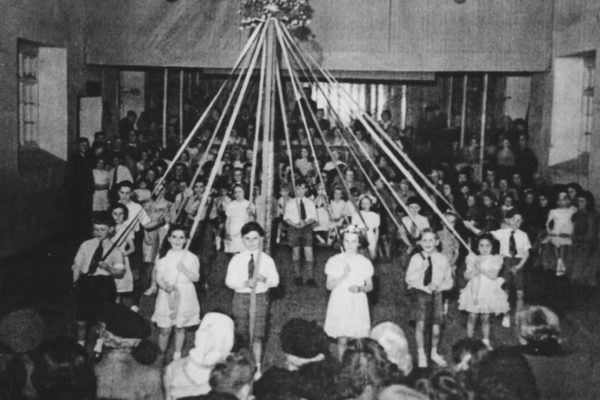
526	162
127	124
81	187
386	120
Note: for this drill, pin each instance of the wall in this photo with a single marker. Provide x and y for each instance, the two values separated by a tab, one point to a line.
355	35
576	29
33	202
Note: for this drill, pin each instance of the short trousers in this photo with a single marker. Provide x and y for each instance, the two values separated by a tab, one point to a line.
428	304
93	293
241	315
513	280
300	237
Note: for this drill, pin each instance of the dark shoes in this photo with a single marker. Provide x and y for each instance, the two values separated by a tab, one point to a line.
298	281
311	283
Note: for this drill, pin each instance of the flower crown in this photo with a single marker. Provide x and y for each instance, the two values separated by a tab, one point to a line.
353	228
293	13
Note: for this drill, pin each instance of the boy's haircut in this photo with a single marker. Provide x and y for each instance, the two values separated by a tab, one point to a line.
253	226
429	230
511	213
201	180
103	218
413	200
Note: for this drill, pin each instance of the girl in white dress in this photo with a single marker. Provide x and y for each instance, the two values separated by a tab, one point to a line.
321	228
349	279
238	212
176	303
369	221
120	214
560	229
483	294
101	185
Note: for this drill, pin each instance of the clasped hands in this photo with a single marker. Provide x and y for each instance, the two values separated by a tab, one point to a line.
352	288
251	283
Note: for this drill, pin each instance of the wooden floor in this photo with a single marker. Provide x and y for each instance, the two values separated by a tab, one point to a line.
40	278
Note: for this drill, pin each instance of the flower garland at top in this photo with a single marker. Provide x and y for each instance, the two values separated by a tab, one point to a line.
293	13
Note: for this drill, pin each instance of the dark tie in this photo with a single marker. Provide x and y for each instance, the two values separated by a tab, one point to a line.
251	266
428	272
512	244
302	211
96	258
114	182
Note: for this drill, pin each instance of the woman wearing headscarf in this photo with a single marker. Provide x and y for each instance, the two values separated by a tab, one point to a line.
189	376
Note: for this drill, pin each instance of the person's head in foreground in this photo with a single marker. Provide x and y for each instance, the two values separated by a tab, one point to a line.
365	370
391	337
63	371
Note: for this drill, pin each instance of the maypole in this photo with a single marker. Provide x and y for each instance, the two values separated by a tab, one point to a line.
268	123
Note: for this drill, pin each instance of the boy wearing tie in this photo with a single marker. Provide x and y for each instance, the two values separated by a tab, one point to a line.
251	273
428	274
300	214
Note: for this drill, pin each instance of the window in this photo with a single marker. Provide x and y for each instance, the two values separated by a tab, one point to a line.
28	94
42	105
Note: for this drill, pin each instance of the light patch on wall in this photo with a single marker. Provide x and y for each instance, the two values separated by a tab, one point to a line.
53	101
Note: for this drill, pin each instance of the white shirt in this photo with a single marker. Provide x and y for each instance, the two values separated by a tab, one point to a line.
292	210
134	208
441	277
237	272
521	240
86	251
421	222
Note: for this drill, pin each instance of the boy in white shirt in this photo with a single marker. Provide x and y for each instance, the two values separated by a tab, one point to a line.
413	223
252	272
428	274
300	214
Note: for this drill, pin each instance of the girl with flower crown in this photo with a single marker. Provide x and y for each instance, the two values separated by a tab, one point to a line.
369	221
349	277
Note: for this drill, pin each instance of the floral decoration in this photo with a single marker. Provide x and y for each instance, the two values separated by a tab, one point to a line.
292	13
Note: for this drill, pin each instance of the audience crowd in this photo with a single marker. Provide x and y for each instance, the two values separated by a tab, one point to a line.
525	240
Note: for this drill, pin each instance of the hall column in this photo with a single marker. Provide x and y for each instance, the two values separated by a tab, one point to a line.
594	162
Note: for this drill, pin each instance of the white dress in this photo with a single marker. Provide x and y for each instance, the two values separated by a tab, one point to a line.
483	295
372	222
237	216
187	310
347	312
338	212
323	222
562	229
125	283
101	185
